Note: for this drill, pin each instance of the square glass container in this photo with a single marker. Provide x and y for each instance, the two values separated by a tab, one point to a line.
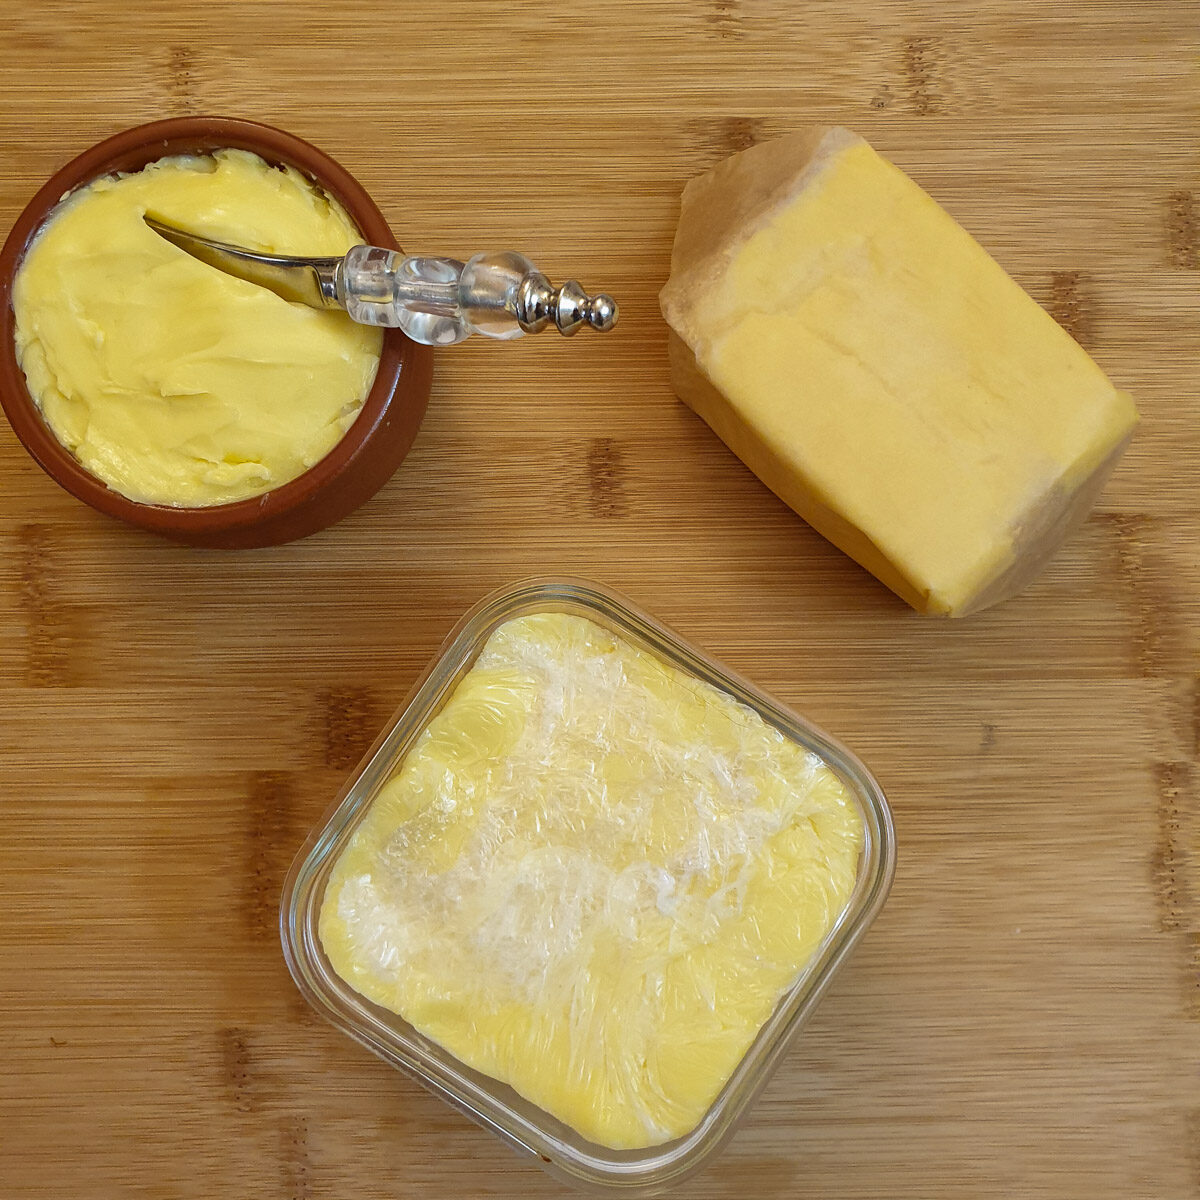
494	1105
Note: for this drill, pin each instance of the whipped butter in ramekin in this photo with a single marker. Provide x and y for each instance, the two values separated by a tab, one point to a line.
172	382
378	430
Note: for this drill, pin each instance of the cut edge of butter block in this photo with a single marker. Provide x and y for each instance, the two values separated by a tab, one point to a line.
721	212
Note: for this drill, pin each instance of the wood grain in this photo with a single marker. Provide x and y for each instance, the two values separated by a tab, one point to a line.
1024	1018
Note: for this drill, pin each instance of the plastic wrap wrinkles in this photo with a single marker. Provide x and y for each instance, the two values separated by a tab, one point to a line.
592	878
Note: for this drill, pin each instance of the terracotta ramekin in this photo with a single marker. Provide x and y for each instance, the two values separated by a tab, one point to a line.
353	471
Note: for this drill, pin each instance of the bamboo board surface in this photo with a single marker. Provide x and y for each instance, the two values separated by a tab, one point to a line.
1024	1017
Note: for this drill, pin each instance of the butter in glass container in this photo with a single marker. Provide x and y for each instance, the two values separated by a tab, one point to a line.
593	878
587	886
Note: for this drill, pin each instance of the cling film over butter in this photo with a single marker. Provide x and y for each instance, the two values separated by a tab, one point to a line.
593	878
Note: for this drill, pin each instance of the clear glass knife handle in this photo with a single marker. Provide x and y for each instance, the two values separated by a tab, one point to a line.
440	301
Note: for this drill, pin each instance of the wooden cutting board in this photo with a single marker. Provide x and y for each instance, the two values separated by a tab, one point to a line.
1024	1018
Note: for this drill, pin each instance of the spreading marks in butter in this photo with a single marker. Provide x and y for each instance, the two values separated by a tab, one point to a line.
593	878
170	381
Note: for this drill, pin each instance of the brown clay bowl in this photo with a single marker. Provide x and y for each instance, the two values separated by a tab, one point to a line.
353	471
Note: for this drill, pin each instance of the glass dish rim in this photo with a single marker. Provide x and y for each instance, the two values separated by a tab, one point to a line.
491	1104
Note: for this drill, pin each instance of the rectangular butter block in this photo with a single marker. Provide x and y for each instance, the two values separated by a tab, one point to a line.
882	374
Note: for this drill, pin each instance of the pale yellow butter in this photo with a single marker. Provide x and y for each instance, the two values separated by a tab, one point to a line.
593	878
169	380
869	361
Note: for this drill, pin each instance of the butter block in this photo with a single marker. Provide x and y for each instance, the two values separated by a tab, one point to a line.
882	374
592	878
